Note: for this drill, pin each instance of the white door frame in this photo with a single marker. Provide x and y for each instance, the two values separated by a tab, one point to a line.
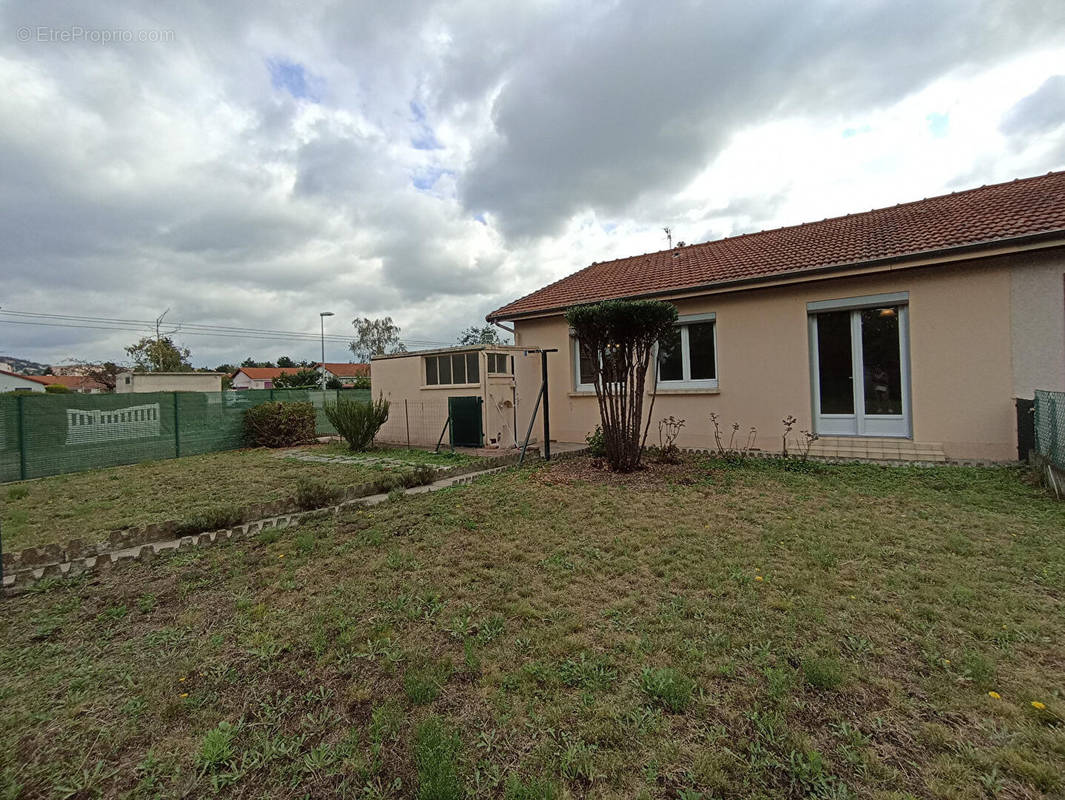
859	423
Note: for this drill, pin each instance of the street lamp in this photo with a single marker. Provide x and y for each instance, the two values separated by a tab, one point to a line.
322	315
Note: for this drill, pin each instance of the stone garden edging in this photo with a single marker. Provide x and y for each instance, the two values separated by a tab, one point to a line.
79	550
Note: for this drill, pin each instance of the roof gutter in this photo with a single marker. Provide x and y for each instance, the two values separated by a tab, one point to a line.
1028	242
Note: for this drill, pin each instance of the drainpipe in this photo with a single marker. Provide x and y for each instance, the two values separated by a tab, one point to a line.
504	327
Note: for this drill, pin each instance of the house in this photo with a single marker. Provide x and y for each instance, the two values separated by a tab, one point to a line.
140	382
12	382
900	333
259	377
82	384
345	373
478	387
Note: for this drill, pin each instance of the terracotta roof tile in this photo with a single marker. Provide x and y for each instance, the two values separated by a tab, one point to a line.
342	370
977	216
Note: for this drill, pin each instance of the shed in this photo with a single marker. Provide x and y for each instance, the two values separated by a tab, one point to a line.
486	391
140	382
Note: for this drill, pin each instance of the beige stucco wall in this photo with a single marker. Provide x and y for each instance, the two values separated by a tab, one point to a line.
422	409
168	382
961	354
1037	299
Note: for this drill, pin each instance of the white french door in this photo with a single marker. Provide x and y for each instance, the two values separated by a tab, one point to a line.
860	371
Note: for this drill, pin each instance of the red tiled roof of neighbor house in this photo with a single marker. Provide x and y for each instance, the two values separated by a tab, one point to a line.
75	382
34	378
971	219
347	370
266	373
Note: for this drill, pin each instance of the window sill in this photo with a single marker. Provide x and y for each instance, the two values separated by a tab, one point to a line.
582	393
451	386
703	390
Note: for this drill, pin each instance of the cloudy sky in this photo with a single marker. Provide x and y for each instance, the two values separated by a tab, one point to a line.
251	164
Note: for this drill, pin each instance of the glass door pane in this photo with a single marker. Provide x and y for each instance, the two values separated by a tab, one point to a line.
834	362
881	361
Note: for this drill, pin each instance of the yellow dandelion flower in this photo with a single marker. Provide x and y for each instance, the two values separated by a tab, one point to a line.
182	679
994	695
1038	705
183	694
946	661
758	578
281	556
854	597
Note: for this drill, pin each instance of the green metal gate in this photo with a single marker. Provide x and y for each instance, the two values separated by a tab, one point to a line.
466	429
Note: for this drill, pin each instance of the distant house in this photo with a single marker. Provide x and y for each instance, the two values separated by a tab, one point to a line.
259	377
12	382
345	373
82	384
905	332
140	382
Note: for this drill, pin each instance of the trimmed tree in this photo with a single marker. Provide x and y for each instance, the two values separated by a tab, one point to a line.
618	337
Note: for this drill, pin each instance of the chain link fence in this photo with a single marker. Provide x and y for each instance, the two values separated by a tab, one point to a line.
43	434
1050	427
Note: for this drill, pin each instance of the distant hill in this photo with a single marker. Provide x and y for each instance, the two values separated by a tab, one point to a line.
24	366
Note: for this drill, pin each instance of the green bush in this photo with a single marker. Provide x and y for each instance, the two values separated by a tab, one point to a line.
596	445
279	424
357	422
57	388
311	494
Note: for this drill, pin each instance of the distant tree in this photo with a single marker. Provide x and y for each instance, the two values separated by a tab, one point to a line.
285	361
251	362
375	337
489	334
104	373
301	379
159	355
333	383
57	388
227	369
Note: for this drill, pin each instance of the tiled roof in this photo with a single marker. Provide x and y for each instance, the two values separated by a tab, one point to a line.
34	378
347	370
974	217
266	373
72	381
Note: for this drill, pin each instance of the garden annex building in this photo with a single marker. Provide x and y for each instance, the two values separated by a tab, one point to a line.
904	332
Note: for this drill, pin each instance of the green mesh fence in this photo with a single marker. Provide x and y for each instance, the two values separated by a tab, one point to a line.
1050	426
47	434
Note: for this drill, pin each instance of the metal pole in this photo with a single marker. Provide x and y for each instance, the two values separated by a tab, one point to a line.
177	428
532	421
321	316
406	416
547	415
21	438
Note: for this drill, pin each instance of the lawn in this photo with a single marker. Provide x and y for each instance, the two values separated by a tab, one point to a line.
699	631
90	504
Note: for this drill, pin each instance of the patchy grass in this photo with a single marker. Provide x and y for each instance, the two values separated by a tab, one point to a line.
204	490
554	633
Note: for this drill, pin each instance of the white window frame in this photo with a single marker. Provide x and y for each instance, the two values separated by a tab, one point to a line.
686	382
427	385
576	351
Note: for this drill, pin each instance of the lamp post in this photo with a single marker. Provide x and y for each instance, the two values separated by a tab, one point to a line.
321	316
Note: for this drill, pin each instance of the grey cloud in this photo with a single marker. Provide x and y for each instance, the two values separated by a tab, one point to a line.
177	174
1040	112
597	120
